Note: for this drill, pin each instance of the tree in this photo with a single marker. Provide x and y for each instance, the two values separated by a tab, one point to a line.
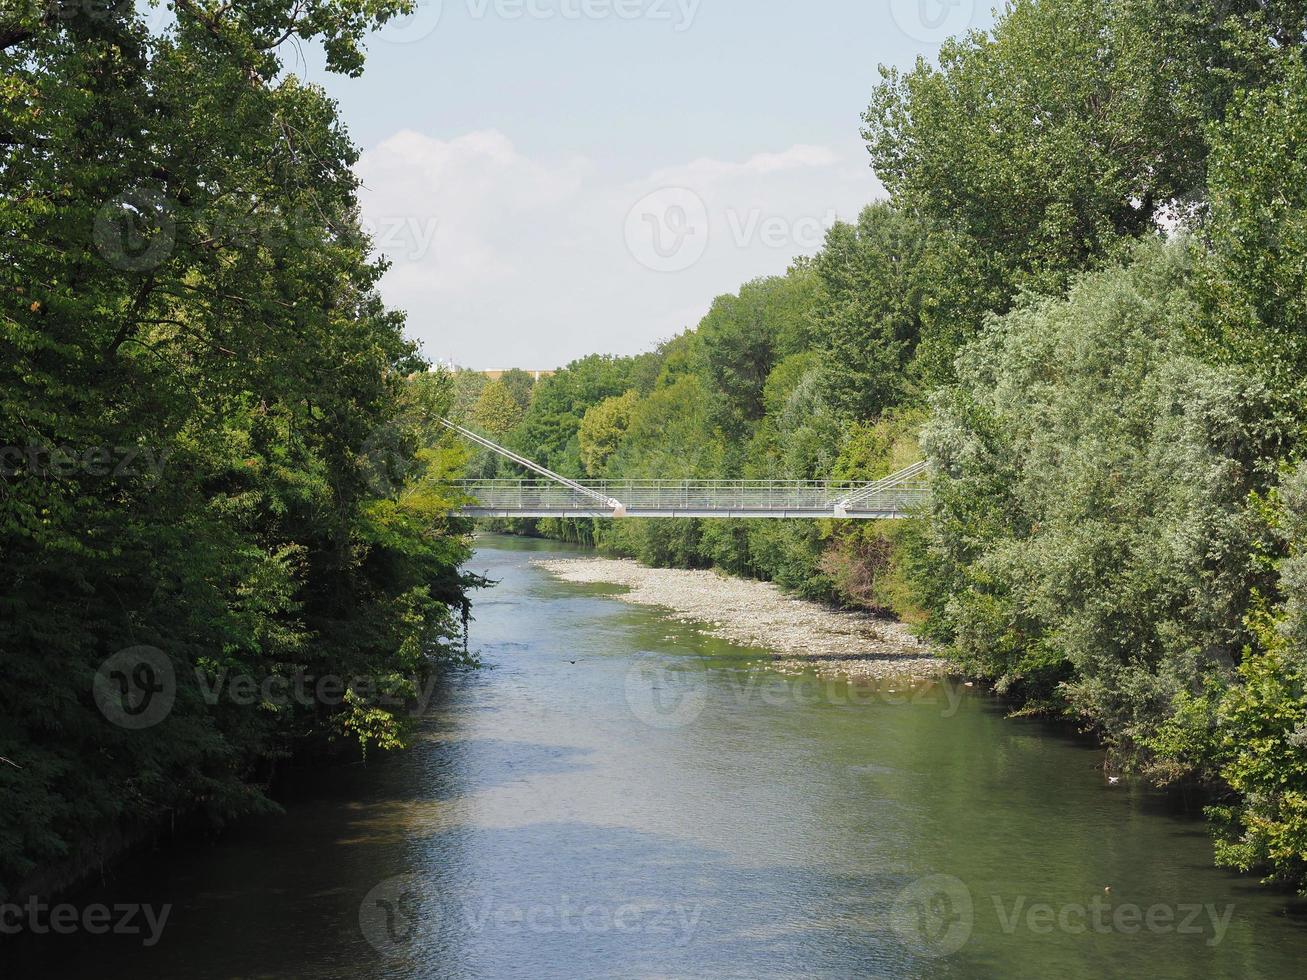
220	459
548	433
1255	730
744	335
1045	144
1256	280
1093	537
468	386
603	428
496	410
519	385
869	313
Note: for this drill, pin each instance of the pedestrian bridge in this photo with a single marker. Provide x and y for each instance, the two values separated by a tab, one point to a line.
553	495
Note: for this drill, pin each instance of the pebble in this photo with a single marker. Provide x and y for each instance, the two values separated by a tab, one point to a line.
797	633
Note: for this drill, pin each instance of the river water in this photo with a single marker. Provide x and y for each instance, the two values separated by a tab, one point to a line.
615	795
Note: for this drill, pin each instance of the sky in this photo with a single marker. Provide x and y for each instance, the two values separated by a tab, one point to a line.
552	178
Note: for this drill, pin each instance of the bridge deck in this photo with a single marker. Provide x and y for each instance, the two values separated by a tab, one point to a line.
694	498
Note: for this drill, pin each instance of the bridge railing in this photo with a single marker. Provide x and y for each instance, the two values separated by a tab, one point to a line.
693	495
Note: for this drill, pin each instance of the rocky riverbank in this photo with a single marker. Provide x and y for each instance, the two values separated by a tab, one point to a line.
799	634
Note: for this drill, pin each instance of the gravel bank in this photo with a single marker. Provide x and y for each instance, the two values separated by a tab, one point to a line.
799	634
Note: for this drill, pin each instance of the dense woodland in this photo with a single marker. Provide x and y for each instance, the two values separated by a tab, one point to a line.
210	446
1085	302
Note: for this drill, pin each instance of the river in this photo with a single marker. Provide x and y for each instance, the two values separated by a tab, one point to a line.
615	795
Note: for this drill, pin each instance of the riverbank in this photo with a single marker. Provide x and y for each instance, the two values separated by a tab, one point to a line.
801	635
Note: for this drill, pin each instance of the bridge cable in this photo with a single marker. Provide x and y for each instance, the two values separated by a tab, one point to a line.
616	506
892	482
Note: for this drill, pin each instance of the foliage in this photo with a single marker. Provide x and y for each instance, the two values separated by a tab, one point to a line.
1261	723
869	313
1094	525
1041	147
496	410
549	432
186	286
745	335
602	429
1256	284
520	386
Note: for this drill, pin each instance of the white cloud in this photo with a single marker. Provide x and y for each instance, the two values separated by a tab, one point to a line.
503	259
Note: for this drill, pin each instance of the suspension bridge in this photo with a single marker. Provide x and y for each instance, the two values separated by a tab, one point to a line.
550	494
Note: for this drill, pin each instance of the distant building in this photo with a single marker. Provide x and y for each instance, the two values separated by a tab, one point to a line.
447	364
496	374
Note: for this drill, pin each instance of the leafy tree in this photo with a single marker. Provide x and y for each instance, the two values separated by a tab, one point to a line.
744	335
1256	281
603	428
519	385
186	284
1258	728
869	313
1092	524
1042	146
468	386
496	410
549	430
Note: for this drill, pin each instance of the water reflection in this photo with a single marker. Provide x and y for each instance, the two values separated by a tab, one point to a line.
618	796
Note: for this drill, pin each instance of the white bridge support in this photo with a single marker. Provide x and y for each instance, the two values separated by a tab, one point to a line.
895	496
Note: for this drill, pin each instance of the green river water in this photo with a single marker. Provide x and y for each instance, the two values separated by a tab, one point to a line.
667	807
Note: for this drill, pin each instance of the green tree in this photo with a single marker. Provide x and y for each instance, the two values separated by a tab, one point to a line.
519	385
1260	740
186	285
496	410
1256	280
869	314
1043	145
468	386
603	428
1092	528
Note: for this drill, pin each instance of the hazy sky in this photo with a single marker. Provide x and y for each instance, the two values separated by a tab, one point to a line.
556	177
